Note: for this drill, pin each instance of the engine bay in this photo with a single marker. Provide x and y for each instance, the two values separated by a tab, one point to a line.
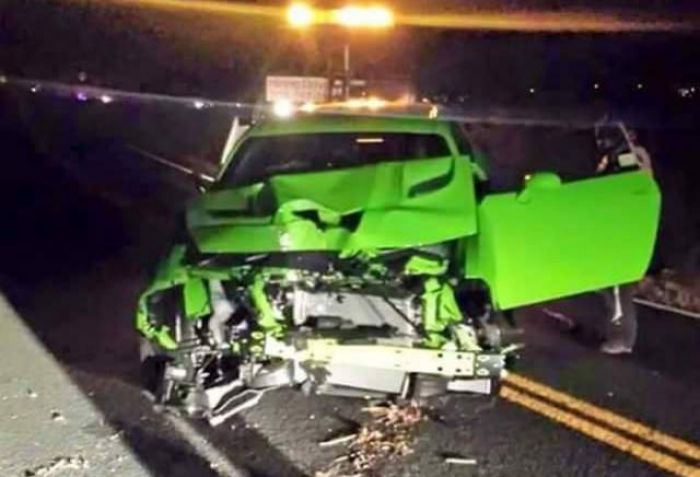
221	330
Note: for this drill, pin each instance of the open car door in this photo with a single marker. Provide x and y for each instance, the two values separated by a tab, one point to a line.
554	239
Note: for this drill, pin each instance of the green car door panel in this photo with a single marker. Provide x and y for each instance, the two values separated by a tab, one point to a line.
553	239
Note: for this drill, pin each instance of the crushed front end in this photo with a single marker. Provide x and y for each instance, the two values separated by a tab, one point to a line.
221	330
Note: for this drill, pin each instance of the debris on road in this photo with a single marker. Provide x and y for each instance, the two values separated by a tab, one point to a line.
57	416
459	461
58	464
337	440
560	317
388	434
32	394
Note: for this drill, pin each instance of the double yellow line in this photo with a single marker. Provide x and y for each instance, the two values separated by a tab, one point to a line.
668	453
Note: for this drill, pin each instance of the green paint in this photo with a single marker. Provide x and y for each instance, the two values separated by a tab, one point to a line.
383	204
420	265
268	318
440	311
196	299
551	239
562	239
163	337
171	272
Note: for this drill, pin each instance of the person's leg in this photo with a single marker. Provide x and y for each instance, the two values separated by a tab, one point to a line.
621	325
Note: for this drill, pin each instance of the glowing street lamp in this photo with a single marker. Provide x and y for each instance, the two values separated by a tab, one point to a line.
300	15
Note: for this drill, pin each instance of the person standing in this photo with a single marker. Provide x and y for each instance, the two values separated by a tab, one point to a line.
620	150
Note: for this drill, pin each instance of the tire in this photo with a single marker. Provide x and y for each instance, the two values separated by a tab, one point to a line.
152	367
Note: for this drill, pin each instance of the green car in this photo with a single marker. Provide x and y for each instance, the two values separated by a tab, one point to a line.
366	256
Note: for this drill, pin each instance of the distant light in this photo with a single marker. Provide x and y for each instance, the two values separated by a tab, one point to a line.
308	107
372	103
82	77
640	86
532	90
433	113
424	100
596	86
81	96
375	103
106	99
283	108
3	79
368	17
686	92
35	88
369	140
198	104
355	103
300	15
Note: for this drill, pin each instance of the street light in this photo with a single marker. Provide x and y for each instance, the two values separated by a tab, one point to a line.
302	15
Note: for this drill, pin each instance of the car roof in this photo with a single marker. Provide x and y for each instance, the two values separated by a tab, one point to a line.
324	123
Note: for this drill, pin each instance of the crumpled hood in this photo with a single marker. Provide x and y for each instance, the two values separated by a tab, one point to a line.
386	205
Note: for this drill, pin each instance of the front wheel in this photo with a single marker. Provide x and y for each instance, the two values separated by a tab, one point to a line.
152	367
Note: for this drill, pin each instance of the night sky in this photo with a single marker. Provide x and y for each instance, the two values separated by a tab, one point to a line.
227	56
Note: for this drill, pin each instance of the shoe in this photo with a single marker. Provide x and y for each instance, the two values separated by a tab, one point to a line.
615	347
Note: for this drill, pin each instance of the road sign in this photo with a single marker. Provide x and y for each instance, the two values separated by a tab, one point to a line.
298	89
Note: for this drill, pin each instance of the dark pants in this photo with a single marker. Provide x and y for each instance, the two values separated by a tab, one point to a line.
621	315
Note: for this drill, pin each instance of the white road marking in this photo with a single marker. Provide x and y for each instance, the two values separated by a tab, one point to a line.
670	309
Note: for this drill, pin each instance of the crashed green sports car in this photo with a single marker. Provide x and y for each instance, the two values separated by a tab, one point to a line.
366	256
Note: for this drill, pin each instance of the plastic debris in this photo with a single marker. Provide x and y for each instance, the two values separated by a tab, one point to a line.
459	461
561	317
337	440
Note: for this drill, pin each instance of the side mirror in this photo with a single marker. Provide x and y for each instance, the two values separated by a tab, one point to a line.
538	181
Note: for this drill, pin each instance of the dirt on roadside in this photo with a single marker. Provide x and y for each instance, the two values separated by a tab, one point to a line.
672	288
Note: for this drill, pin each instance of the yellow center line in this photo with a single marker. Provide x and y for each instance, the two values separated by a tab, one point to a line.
609	418
600	433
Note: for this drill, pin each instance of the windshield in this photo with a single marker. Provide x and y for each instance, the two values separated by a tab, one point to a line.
262	157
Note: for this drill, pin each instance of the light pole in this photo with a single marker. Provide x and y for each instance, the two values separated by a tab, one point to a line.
301	15
346	69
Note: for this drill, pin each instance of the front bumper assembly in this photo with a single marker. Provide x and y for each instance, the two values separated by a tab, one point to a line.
324	366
